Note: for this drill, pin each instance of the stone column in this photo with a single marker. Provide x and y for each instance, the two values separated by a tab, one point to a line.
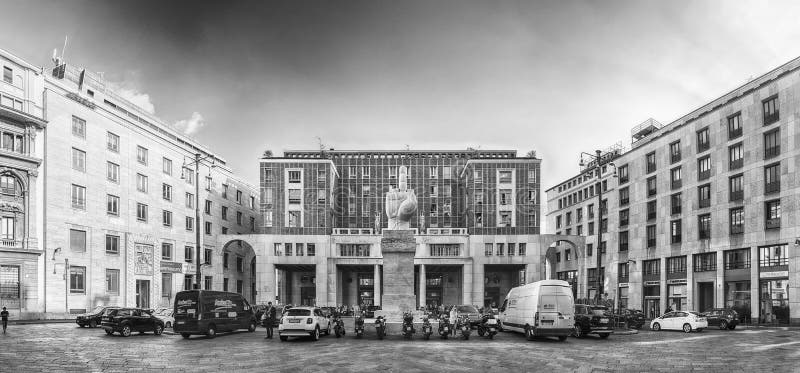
466	284
478	273
422	287
321	285
690	301
719	284
376	283
755	285
663	290
267	284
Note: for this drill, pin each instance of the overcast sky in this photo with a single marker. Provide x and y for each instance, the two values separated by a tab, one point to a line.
558	77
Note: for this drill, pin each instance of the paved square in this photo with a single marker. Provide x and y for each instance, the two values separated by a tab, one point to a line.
65	347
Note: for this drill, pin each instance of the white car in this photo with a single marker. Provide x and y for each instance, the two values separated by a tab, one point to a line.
302	322
165	315
680	320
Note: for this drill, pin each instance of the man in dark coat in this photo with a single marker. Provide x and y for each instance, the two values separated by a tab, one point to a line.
268	319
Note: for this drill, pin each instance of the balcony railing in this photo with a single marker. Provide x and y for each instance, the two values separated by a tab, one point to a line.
738	264
736	163
676	210
676	184
773	262
624	201
772	152
737	195
705	267
623	223
705	234
703	146
623	247
702	175
772	118
737	229
651	243
10	243
705	202
651	215
651	192
675	157
732	134
772	187
773	223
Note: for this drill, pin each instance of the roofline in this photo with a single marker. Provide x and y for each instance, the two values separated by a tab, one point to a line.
18	60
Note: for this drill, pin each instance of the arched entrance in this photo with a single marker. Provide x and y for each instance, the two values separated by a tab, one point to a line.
565	259
239	269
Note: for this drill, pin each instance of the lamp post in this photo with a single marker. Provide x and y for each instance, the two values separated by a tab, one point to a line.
598	166
196	163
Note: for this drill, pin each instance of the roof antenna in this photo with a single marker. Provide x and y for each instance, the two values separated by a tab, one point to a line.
63	50
319	142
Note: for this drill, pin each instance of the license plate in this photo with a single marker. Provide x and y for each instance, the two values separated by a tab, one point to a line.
491	330
294	321
547	322
181	322
604	320
491	322
446	328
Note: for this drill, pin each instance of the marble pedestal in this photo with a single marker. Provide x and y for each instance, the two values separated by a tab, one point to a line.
398	248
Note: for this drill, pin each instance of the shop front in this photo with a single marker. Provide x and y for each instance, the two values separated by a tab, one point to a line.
676	295
652	299
774	293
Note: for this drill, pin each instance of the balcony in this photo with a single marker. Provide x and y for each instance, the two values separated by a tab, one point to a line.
651	243
702	175
651	167
736	164
624	201
675	157
705	267
772	187
732	134
623	179
771	118
10	243
651	192
737	195
705	203
772	152
651	215
737	229
676	184
773	262
676	210
703	146
773	223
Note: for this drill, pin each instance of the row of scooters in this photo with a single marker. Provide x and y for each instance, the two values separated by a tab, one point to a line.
487	327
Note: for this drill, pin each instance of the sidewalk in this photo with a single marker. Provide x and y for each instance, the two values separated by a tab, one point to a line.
42	321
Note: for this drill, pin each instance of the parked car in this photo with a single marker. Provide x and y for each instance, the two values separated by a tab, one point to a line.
127	320
302	322
680	320
634	318
592	320
539	309
457	312
207	312
92	318
165	315
328	311
724	318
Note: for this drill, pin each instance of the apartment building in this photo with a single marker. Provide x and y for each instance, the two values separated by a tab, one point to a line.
699	213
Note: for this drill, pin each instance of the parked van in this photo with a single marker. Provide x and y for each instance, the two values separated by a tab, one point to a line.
539	309
208	312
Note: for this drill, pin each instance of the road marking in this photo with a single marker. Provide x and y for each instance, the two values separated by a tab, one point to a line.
767	347
673	340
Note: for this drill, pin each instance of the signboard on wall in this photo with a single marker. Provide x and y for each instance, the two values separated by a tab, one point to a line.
676	282
171	267
652	283
143	261
774	274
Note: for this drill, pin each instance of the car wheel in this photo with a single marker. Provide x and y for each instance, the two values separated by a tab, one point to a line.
687	328
82	325
578	331
491	336
315	335
252	327
185	335
732	327
284	338
158	329
699	330
528	333
212	331
562	338
169	325
723	324
93	324
109	332
126	330
656	327
605	335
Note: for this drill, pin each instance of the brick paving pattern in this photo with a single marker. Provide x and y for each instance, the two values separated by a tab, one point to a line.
65	347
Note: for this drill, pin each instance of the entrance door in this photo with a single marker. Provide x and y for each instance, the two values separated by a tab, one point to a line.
705	296
308	296
143	293
492	297
652	308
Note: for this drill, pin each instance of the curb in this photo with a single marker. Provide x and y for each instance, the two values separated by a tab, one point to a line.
626	332
28	322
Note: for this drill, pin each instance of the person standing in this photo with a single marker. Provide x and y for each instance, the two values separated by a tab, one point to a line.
4	316
269	319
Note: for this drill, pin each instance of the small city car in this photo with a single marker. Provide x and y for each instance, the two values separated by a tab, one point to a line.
303	322
680	320
92	318
724	318
208	312
457	312
592	320
634	318
165	315
127	320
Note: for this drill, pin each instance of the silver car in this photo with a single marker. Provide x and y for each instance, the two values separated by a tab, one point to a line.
465	309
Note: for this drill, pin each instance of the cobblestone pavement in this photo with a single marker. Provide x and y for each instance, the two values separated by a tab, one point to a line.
65	347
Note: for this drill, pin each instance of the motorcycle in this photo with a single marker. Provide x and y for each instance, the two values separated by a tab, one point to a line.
444	326
359	325
408	325
488	326
380	327
463	325
338	325
427	329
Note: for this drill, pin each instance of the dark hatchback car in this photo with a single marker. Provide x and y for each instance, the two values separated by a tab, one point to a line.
92	318
127	320
634	318
592	320
724	318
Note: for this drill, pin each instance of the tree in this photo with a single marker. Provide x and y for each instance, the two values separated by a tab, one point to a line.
531	154
267	154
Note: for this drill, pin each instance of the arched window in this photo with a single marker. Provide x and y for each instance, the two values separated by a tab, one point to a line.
8	185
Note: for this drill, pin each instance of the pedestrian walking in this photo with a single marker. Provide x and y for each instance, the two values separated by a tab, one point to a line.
268	319
4	316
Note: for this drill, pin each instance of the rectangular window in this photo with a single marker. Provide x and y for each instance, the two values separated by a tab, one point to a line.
141	212
735	156
704	195
188	254
676	264
737	259
77	279
505	196
239	197
505	177
500	249
737	220
268	219
675	152
531	176
189	199
704	168
112	244
352	172
78	160
772	178
141	183
207	207
112	172
705	262
112	281
354	249
771	110
141	154
622	173
675	231
773	214
736	188
8	75
623	218
207	282
166	192
208	228
591	228
651	236
225	284
488	249
294	219
650	160
704	226
651	210
189	223
78	127
269	175
166	165
703	142
588	249
651	267
675	177
624	196
311	249
253	202
112	142
112	205
651	186
210	183
78	197
224	212
239	217
772	144
364	172
207	254
295	196
299	249
623	241
166	251
734	126
188	175
774	255
166	218
505	219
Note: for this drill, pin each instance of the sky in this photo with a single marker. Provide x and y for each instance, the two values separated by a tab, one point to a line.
557	77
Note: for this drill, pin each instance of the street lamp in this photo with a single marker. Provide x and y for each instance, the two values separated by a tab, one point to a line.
599	162
196	164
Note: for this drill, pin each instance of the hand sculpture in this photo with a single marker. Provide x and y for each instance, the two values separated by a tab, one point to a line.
401	203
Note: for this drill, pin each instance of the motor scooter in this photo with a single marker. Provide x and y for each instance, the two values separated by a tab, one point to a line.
359	321
427	329
444	326
488	326
338	325
464	326
380	327
408	325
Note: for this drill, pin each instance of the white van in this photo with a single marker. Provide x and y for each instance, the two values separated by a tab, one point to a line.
539	309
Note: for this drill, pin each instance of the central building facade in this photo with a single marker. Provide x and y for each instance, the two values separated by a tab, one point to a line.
476	226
